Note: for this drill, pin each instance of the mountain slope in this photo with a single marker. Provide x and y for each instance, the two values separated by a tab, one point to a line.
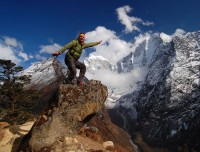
165	107
44	73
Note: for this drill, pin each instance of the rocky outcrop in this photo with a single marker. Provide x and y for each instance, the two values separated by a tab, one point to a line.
67	124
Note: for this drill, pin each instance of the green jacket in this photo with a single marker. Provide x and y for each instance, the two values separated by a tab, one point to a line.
75	49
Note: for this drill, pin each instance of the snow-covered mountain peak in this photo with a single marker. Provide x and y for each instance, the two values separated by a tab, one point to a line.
145	53
44	73
96	63
38	66
93	57
166	104
166	38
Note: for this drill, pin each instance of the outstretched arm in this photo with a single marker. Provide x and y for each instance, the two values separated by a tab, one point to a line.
86	45
67	46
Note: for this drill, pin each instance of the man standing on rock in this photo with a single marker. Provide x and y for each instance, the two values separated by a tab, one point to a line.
75	48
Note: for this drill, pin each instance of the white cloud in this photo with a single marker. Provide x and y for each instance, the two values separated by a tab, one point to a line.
116	80
7	53
23	55
179	32
130	22
11	49
40	57
50	48
100	33
9	41
147	23
112	47
31	56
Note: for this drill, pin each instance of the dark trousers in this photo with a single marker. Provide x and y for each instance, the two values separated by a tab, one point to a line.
72	66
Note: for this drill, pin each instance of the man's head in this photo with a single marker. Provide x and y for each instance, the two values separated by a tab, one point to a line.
81	37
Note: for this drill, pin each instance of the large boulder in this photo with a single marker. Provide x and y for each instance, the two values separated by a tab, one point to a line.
65	123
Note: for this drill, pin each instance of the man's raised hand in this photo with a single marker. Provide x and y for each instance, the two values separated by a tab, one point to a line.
56	54
99	42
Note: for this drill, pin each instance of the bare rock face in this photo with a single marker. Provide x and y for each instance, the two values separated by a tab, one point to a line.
76	120
65	115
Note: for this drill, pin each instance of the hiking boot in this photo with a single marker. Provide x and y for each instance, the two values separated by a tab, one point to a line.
81	83
67	81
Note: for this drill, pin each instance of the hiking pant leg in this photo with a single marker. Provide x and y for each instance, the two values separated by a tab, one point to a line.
82	67
72	68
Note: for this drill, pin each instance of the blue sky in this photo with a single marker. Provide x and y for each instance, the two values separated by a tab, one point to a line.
31	30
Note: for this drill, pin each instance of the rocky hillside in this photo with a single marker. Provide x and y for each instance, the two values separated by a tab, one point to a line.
75	120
